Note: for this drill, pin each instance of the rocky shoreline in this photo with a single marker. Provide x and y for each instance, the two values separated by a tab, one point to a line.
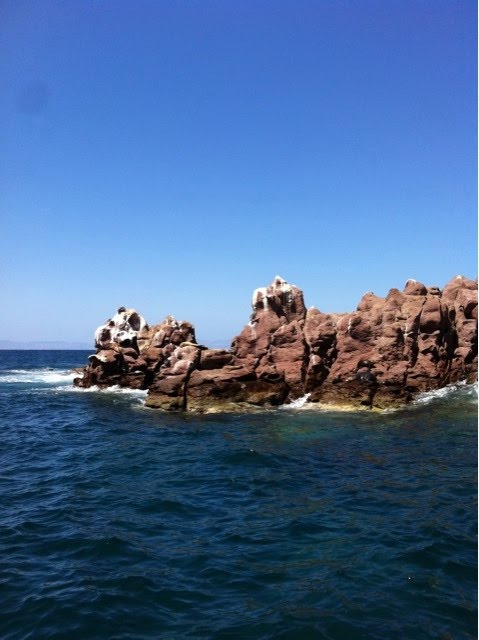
379	356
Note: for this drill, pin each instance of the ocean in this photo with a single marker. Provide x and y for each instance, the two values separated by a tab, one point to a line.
120	522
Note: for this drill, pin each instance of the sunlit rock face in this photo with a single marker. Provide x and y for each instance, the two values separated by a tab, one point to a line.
380	355
272	344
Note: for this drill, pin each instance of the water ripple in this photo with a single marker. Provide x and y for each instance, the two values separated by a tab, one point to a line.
126	524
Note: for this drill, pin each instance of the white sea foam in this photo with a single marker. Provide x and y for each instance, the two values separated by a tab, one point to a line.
298	403
47	380
470	390
115	389
136	396
37	376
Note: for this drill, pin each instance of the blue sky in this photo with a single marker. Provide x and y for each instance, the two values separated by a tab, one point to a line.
174	155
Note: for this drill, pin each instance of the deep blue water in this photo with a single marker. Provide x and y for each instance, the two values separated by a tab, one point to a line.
121	522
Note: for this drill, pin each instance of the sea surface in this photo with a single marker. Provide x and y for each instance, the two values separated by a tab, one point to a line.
120	522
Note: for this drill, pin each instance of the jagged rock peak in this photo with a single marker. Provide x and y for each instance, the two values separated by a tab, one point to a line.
414	288
281	298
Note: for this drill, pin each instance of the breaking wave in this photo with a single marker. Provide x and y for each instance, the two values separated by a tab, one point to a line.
115	389
298	403
47	379
44	375
460	389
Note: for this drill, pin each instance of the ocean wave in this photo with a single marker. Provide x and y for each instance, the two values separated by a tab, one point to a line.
115	389
44	375
296	404
452	390
47	380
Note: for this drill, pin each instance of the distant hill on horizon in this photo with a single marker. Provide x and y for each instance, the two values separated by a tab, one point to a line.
52	345
46	345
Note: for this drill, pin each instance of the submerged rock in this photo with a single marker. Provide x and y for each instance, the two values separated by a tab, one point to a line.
380	355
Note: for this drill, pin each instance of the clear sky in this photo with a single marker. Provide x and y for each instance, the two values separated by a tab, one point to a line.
172	156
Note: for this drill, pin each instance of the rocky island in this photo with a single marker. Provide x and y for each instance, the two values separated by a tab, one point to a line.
379	356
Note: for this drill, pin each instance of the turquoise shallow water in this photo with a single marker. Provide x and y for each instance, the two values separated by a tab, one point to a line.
120	522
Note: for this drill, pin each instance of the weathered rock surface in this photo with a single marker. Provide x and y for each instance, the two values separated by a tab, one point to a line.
380	355
130	353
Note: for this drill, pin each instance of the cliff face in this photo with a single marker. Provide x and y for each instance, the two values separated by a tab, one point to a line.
380	355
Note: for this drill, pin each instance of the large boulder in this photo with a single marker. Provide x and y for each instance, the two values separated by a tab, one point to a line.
232	388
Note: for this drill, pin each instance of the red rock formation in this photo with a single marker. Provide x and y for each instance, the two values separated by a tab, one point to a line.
130	353
272	344
380	355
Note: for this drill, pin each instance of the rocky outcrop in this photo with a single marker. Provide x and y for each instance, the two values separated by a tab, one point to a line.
130	353
380	355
